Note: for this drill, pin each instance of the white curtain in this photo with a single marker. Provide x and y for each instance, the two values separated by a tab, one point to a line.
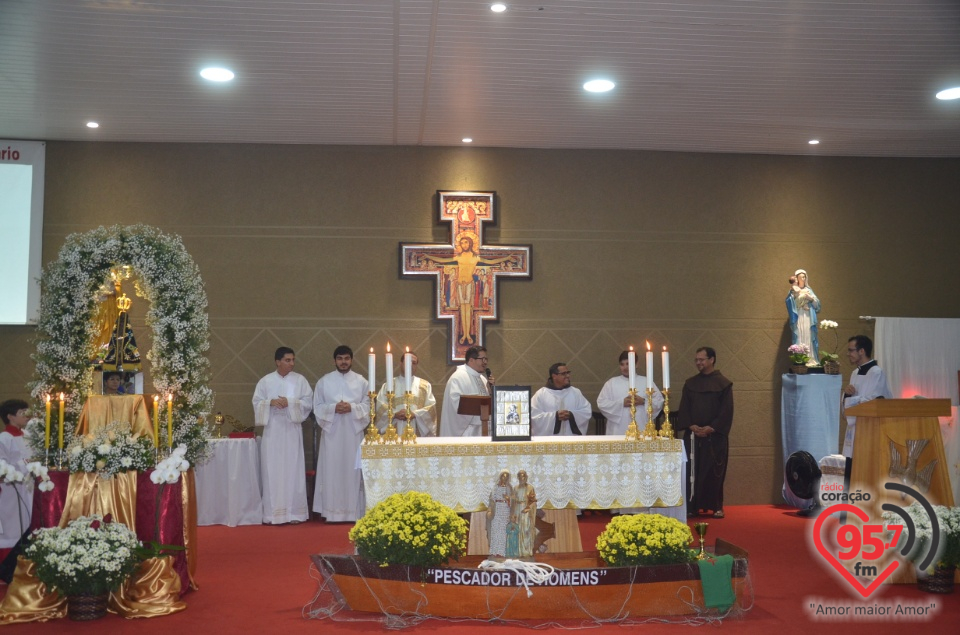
921	356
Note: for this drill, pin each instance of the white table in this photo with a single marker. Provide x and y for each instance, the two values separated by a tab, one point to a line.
587	472
228	485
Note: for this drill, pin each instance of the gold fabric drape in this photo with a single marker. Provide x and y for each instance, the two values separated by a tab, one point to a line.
89	494
101	410
152	591
27	599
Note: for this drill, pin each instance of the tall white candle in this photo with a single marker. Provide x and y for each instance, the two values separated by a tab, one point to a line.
632	373
372	370
665	359
408	369
649	368
389	363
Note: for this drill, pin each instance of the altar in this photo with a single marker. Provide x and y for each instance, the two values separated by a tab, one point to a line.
583	472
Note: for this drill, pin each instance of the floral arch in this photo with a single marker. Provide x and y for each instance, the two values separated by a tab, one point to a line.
167	277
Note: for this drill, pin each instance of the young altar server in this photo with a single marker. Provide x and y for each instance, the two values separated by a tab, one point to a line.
16	499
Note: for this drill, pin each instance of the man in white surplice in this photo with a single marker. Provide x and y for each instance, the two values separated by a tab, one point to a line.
558	408
342	407
423	405
614	399
469	379
867	382
281	402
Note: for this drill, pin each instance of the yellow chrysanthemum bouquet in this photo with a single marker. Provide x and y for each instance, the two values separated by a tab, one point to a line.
645	539
411	529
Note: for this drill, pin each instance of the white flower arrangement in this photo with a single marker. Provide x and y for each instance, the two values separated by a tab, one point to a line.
111	450
830	325
10	474
169	470
168	279
91	554
948	521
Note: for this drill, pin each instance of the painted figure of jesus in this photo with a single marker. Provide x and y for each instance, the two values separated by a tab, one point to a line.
467	260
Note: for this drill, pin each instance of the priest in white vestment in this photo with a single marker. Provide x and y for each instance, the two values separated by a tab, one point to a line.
469	379
341	404
423	405
281	402
614	399
16	499
558	408
867	382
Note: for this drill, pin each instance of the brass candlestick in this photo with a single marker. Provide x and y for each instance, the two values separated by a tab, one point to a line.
650	431
409	432
632	433
666	430
702	533
390	436
372	435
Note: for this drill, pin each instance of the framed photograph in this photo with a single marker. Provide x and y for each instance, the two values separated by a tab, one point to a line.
511	413
113	382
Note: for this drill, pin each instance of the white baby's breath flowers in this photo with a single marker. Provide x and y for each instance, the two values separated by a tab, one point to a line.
168	279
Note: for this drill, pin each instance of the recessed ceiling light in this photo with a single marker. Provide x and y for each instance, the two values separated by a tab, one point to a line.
498	7
949	93
599	86
814	142
217	74
92	124
467	140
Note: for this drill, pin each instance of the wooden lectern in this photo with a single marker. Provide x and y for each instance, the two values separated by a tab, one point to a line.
882	421
476	406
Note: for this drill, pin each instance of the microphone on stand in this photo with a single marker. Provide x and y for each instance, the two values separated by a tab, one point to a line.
488	373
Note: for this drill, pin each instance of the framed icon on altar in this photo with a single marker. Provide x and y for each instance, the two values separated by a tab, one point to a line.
511	413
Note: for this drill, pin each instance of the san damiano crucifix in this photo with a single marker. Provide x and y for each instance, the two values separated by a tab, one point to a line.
465	270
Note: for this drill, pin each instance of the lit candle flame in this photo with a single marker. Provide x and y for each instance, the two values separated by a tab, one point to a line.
388	347
648	346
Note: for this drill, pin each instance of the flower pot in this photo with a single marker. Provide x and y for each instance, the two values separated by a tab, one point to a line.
940	581
85	607
831	367
798	369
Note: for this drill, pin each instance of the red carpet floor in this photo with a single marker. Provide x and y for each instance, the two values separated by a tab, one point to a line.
258	579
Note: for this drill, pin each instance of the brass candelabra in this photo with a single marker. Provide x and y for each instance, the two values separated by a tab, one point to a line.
633	434
372	435
666	431
390	436
650	431
409	432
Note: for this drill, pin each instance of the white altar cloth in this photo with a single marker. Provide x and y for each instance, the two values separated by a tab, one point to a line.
587	472
228	485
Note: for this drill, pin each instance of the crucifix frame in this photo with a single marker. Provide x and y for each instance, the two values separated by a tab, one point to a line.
465	270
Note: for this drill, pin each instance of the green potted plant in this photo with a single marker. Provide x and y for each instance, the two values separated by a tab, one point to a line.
799	356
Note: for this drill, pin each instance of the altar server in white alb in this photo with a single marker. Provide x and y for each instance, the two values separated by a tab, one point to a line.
558	408
423	405
16	499
868	382
469	379
281	402
614	399
341	404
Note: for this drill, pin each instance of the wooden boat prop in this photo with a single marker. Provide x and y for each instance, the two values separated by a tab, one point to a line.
581	587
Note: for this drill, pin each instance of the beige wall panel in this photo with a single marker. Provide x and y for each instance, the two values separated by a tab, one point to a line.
297	246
